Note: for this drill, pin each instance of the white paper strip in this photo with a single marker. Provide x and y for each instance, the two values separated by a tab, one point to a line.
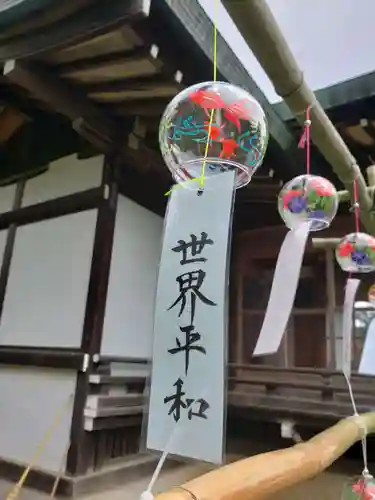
187	395
283	291
367	364
347	325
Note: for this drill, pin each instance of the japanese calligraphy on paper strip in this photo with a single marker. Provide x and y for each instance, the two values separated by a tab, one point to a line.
187	396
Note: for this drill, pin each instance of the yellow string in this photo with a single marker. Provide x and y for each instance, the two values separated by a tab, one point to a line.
16	490
201	178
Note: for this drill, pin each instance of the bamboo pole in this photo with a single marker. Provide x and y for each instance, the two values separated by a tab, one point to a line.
263	35
264	475
370	171
344	195
325	243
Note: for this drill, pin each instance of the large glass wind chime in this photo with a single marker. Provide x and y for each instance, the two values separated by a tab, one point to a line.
214	126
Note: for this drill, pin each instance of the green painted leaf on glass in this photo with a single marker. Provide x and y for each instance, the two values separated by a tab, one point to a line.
312	197
349	494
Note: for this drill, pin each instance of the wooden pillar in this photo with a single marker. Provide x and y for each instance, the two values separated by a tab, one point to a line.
330	309
9	245
77	462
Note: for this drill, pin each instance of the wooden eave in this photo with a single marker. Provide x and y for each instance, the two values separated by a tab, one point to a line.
110	68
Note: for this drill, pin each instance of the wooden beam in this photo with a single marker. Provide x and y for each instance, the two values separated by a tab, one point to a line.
11	120
110	67
59	358
148	190
25	17
66	205
60	96
139	82
97	19
123	93
141	107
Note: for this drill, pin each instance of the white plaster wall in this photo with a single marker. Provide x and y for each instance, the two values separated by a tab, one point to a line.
47	287
65	176
332	41
48	281
128	324
44	306
30	401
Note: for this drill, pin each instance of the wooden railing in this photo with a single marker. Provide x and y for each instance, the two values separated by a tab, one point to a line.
322	394
114	409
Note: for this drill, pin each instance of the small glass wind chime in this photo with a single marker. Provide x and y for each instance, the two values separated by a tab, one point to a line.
315	199
355	254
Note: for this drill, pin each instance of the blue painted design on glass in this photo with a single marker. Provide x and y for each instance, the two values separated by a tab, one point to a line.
360	257
297	204
199	133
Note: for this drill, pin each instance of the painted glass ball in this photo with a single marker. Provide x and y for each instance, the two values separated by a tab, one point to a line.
359	488
371	294
308	198
356	253
216	121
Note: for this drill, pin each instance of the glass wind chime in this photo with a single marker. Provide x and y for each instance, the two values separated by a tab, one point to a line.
214	125
308	198
313	198
213	136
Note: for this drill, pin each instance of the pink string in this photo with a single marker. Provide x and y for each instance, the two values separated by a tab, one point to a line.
356	205
305	139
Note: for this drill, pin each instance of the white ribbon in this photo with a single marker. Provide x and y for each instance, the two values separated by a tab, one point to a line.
283	291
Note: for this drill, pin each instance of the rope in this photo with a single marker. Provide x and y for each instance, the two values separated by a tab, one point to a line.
60	472
16	490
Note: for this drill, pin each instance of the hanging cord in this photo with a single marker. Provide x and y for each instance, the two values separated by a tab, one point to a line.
16	490
304	142
201	178
147	493
365	473
356	203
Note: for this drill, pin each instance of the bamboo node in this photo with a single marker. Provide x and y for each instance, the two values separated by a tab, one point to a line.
360	422
192	495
